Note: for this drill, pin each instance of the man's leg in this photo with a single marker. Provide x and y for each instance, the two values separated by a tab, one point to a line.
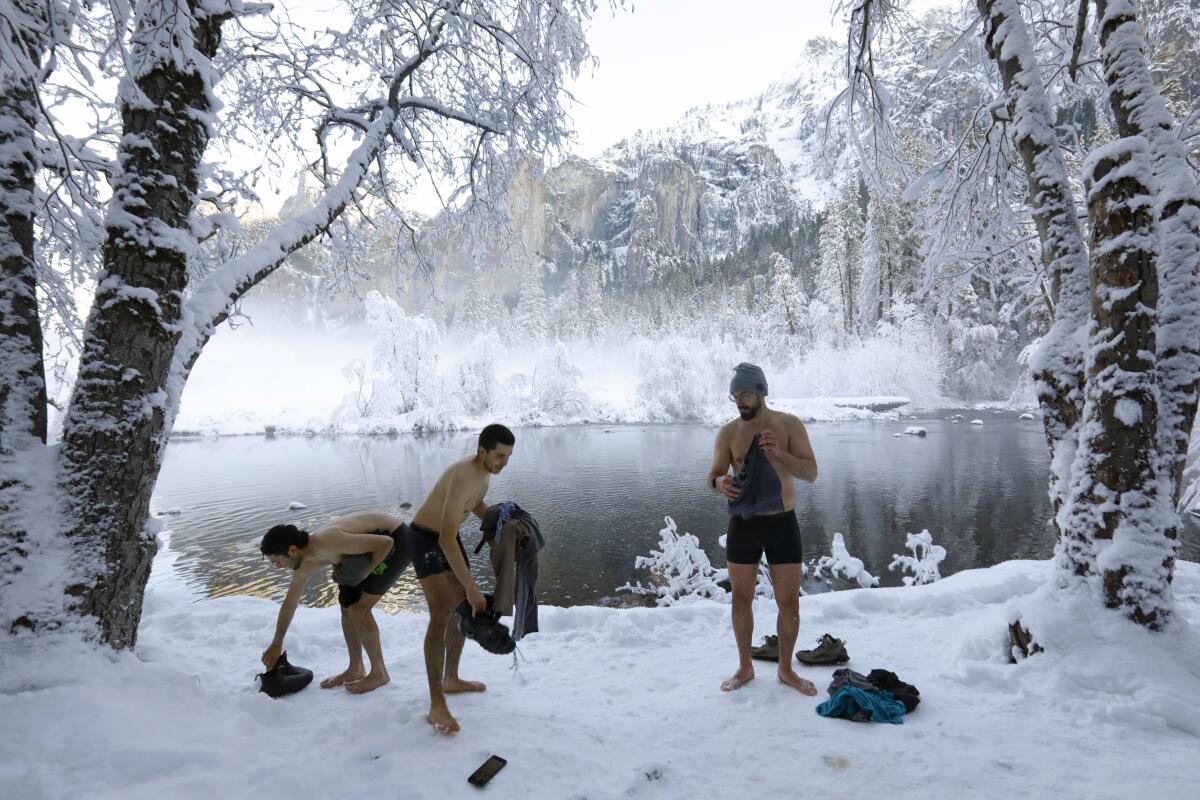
368	633
451	683
742	580
353	672
786	580
443	592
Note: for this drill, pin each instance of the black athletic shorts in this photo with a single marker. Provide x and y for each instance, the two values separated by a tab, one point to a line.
778	535
383	576
426	551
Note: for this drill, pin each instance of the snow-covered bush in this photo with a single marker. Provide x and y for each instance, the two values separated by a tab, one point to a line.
477	382
556	389
923	563
404	354
841	563
680	569
677	380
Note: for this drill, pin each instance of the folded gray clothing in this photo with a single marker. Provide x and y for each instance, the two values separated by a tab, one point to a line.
761	490
848	677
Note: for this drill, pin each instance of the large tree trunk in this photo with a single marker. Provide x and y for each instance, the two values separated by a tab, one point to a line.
22	374
114	431
1141	111
1058	364
1114	502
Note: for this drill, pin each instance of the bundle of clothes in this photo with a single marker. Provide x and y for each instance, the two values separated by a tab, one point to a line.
879	696
515	539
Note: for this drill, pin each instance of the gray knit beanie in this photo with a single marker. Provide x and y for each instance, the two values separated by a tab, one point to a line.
748	378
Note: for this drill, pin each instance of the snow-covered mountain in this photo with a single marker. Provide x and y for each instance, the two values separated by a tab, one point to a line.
709	198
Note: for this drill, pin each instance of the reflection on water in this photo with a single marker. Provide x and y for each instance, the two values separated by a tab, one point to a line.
600	495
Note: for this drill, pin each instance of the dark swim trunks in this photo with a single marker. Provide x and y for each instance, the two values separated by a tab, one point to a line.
426	551
778	535
380	579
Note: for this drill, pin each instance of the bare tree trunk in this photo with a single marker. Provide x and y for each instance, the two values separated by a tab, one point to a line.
1058	364
22	372
113	436
1114	499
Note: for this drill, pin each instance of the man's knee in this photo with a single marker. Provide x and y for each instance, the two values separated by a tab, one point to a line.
788	613
742	597
361	611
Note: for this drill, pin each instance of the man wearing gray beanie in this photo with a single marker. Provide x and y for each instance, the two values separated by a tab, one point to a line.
768	450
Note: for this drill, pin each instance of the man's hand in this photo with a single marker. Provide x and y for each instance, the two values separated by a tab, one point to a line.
271	654
725	487
476	599
769	443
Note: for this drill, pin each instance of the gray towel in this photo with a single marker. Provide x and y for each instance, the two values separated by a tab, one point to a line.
762	493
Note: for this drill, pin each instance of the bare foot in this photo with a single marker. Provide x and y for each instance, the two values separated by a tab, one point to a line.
348	676
443	721
739	679
459	686
799	684
373	681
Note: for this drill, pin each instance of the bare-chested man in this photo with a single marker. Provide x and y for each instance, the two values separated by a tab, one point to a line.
440	561
368	551
766	522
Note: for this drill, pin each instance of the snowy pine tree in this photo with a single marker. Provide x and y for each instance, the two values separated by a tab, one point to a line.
838	271
531	317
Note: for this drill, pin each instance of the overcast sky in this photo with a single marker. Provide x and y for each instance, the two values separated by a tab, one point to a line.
659	58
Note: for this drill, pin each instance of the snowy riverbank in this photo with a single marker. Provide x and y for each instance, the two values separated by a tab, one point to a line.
618	703
195	421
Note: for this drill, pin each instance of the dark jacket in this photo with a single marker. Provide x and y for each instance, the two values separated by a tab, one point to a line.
514	558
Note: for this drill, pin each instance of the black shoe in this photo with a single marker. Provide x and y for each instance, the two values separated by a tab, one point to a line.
485	628
284	678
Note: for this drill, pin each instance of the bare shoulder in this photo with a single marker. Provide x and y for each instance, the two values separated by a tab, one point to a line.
725	433
791	422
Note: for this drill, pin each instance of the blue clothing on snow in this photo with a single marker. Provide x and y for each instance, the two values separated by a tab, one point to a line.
860	705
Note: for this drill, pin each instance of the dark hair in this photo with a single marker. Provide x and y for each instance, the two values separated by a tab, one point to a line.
280	538
495	434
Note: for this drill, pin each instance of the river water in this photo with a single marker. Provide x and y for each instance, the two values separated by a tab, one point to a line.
600	495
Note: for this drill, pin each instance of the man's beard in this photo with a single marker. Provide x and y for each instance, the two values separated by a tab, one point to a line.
749	413
296	561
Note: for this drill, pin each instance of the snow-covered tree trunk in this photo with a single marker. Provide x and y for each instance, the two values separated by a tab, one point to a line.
114	432
1140	110
1058	364
1114	504
22	374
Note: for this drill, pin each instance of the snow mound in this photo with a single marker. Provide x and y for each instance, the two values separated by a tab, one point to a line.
296	505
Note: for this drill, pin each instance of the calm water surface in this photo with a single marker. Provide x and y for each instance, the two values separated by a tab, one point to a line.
600	495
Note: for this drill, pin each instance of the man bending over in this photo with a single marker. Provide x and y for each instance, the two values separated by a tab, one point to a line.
368	551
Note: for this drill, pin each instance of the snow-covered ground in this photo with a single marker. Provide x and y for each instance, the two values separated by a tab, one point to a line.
619	703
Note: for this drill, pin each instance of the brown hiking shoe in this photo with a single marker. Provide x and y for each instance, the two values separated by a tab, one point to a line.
768	650
828	651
